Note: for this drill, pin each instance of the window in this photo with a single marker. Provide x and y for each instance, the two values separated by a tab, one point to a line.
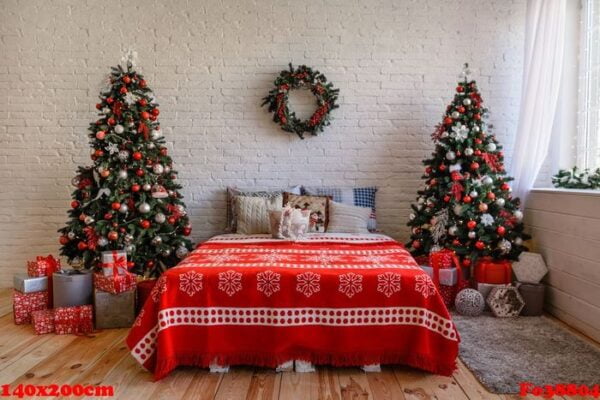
587	147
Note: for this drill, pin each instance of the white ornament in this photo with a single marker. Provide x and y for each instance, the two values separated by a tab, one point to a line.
151	145
455	167
144	208
467	102
490	147
500	202
476	128
460	132
119	129
158	169
89	220
518	241
156	133
487	219
102	241
420	200
122	174
453	230
457	209
473	194
130	98
128	238
504	246
487	180
469	302
411	216
472	235
112	148
146	187
455	114
518	215
444	135
167	169
106	111
71	235
123	209
123	155
157	241
160	218
129	249
450	155
165	252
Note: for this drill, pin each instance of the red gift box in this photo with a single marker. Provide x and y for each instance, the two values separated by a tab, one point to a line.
447	259
43	321
76	319
42	266
114	284
498	272
443	259
144	288
26	303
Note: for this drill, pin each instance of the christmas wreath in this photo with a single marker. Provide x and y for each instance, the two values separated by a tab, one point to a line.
302	77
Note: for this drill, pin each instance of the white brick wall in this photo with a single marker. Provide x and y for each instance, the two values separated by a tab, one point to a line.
210	63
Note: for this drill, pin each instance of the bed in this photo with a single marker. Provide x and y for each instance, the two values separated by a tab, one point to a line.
335	299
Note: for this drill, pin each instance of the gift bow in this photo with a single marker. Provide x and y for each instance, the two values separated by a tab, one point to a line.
52	266
118	262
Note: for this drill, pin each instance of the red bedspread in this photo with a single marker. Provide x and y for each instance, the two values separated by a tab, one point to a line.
330	299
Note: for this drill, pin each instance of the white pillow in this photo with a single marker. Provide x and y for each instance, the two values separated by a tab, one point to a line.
253	213
344	218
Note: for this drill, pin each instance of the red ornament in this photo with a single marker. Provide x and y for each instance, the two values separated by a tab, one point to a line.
474	166
433	182
505	186
145	115
126	80
471	224
145	224
491	196
111	121
122	230
155	112
456	243
152	117
477	117
442	167
139	172
63	240
448	121
416	244
82	246
115	206
466	262
447	198
142	83
130	264
460	89
172	220
467	199
478	141
98	106
143	102
460	109
164	151
483	207
114	224
137	156
501	230
479	245
82	217
149	264
135	188
123	90
98	153
428	170
187	230
100	135
477	152
112	236
108	216
110	100
74	204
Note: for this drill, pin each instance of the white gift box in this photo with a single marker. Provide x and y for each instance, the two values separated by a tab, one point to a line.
109	258
448	276
530	268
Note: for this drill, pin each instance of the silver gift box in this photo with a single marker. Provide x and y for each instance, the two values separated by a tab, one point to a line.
27	284
108	257
72	288
448	276
114	310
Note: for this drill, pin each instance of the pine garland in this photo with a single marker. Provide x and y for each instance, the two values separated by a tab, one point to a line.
575	179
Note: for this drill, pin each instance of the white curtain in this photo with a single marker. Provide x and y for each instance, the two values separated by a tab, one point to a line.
542	70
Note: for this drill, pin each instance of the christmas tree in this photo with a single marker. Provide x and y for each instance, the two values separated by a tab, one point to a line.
466	205
128	199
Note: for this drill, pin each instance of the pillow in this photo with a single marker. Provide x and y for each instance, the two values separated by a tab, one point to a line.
232	192
289	223
344	218
360	196
317	205
253	213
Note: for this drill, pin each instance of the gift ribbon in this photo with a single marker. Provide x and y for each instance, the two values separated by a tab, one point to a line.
53	265
118	262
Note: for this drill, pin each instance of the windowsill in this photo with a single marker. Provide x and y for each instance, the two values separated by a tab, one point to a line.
578	192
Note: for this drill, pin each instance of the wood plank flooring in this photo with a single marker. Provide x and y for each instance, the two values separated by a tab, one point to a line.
103	359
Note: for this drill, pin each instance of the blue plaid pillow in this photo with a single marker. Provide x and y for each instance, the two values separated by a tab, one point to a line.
361	197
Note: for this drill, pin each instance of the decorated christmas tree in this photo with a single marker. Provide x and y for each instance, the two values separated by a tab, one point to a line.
128	199
466	205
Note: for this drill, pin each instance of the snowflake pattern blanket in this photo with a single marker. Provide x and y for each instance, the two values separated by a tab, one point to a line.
343	300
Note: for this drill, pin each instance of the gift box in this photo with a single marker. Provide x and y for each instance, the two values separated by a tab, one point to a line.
445	262
43	321
144	288
114	262
533	296
72	288
447	276
26	284
76	319
497	272
443	258
43	266
114	310
505	302
486	288
530	268
26	303
116	283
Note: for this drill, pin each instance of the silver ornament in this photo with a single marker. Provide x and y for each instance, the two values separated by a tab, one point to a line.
123	155
150	145
472	235
500	202
129	248
490	147
167	169
468	151
518	241
181	252
156	241
75	181
102	241
144	208
71	235
487	180
119	129
476	128
467	102
469	302
122	174
165	252
130	124
89	220
450	155
455	114
457	209
128	238
518	215
158	169
146	187
473	194
123	209
453	230
504	246
160	218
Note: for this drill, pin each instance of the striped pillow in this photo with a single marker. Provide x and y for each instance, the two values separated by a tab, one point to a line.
344	218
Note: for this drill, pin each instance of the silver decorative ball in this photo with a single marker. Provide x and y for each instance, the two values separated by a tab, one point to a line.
158	169
490	147
71	235
467	102
504	246
160	218
455	114
129	248
122	174
167	169
75	181
457	209
453	230
128	238
144	208
123	155
476	128
156	241
468	151
450	155
130	124
518	241
119	129
500	202
469	302
102	241
181	252
472	235
487	180
518	215
165	252
473	194
89	220
151	145
146	187
124	209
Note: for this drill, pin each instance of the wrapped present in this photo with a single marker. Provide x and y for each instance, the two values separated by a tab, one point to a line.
447	276
114	310
114	262
486	288
442	261
73	288
76	319
27	284
43	266
26	303
43	321
443	258
116	283
505	302
488	270
533	296
144	288
530	268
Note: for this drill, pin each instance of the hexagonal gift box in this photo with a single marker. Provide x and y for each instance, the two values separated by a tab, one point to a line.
530	268
505	301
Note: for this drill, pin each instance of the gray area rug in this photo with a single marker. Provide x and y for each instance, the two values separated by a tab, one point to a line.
502	352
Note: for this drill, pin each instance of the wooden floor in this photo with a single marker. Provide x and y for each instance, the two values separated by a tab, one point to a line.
103	359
